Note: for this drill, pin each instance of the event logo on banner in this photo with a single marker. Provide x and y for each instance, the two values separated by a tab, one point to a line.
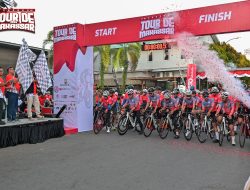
73	78
17	19
191	76
162	25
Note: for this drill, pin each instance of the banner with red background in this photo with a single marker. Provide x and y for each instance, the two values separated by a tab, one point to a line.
232	17
191	76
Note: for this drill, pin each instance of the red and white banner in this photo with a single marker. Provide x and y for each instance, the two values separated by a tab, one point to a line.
73	77
232	17
191	76
235	73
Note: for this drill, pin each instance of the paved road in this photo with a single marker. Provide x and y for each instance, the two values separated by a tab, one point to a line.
111	162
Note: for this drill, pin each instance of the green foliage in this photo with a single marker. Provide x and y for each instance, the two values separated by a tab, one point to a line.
227	53
121	57
49	42
104	52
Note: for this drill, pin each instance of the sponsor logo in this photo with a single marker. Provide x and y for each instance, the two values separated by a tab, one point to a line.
17	19
156	26
215	17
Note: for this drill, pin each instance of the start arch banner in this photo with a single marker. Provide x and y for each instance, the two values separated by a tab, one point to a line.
73	52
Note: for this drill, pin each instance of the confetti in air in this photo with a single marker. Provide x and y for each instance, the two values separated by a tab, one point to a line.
214	67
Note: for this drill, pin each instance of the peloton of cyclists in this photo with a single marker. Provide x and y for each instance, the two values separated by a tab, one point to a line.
214	104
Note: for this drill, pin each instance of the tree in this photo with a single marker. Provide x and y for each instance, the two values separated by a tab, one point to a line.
227	53
49	41
121	57
104	53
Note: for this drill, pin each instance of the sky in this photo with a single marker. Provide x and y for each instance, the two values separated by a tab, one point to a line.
50	13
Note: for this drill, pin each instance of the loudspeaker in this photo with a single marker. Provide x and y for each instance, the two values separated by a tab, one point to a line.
60	111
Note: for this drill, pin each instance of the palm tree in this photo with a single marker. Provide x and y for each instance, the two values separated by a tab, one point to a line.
49	41
104	53
129	53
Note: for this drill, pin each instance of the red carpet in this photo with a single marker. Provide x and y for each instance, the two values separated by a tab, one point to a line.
70	131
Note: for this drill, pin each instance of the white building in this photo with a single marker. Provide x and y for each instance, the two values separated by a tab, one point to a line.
164	67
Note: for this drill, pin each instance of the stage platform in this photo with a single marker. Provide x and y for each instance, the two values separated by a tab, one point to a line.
26	131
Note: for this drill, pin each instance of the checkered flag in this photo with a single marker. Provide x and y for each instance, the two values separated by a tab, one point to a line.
41	70
23	69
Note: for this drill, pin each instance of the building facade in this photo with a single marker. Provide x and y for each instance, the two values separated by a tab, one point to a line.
9	54
165	67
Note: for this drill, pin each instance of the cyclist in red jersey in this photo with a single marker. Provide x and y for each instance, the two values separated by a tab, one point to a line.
144	99
226	108
134	105
154	100
106	104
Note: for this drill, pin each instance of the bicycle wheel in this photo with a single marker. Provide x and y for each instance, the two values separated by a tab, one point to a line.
202	132
138	128
164	128
188	132
148	127
221	135
122	126
212	134
242	135
98	124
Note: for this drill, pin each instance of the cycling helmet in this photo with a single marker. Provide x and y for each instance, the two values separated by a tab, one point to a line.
214	90
192	88
188	93
224	94
130	91
205	94
151	89
167	95
105	93
193	91
111	91
176	91
130	87
158	88
145	91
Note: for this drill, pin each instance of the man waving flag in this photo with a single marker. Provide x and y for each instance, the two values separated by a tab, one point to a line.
23	69
42	73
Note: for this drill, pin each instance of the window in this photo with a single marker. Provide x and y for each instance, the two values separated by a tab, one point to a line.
150	56
166	56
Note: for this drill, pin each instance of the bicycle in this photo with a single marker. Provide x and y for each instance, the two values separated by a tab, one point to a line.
244	131
205	129
126	121
99	121
167	124
223	130
150	124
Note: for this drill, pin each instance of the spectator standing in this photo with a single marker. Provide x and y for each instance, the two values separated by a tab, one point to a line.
32	99
12	91
2	91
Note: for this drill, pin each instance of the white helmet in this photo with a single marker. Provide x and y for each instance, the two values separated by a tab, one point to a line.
188	93
224	94
167	95
106	93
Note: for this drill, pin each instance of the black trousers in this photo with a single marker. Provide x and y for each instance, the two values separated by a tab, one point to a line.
1	108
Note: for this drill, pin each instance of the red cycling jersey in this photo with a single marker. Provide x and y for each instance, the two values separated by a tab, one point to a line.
106	102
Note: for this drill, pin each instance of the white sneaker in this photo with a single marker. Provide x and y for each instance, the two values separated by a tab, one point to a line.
187	133
108	130
233	140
